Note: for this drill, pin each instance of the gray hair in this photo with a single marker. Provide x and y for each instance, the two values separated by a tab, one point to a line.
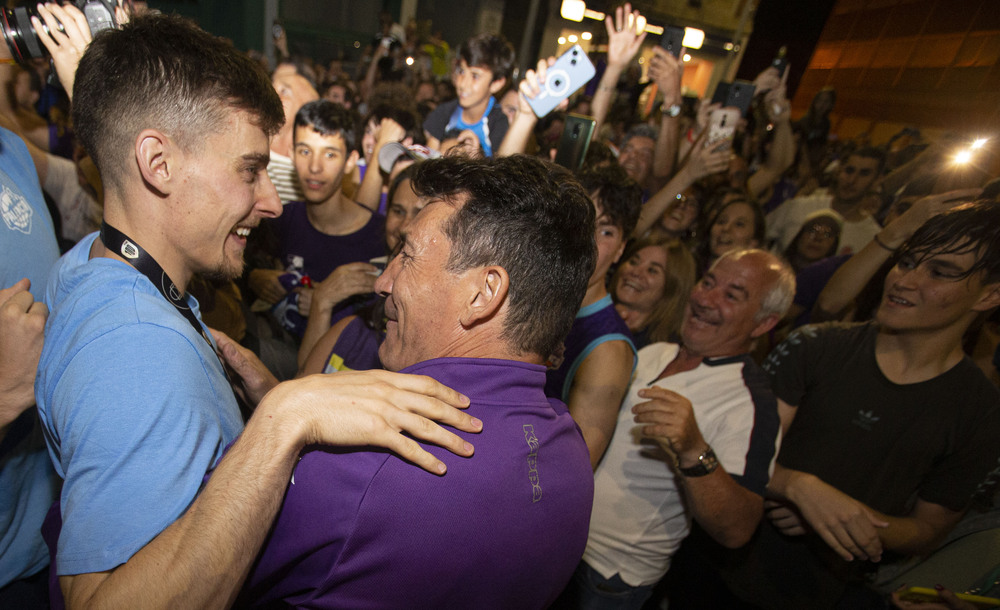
777	299
640	130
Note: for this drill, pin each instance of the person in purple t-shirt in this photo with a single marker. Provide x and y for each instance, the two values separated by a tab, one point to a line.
465	305
324	243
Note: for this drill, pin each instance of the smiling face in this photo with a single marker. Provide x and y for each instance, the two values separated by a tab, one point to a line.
720	318
423	298
933	294
733	229
474	85
224	193
321	162
642	279
636	158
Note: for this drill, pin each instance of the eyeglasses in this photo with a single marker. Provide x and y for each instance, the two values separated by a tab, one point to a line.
821	232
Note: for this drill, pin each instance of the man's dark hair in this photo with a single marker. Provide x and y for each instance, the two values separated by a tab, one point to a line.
163	72
870	152
529	217
406	118
329	119
491	52
619	197
970	227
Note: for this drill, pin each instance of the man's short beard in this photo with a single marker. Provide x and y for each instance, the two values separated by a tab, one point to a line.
223	275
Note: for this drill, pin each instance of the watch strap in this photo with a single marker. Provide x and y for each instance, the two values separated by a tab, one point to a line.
707	463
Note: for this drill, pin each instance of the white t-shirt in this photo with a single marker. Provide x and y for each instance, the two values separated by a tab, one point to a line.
639	518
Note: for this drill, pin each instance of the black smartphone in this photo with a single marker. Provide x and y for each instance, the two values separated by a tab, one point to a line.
672	40
737	94
575	140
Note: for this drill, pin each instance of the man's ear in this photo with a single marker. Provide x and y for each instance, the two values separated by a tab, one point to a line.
765	325
156	159
989	298
497	85
490	286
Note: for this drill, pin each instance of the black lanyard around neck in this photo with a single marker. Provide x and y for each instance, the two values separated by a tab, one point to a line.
145	264
124	246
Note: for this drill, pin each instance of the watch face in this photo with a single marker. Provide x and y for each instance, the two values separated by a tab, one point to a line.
673	110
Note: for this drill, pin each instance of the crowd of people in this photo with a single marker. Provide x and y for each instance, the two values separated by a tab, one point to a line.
284	335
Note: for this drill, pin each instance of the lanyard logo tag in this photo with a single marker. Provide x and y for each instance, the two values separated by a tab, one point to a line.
129	250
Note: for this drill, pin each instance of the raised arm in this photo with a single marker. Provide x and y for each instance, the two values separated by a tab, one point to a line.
515	141
666	70
851	278
782	153
370	192
202	558
702	162
623	44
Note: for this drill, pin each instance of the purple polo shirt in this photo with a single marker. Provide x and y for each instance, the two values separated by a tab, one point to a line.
502	529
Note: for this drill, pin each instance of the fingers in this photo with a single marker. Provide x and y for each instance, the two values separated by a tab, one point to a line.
22	285
426	386
852	540
66	24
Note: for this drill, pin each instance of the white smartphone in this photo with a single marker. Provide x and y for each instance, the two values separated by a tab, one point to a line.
571	71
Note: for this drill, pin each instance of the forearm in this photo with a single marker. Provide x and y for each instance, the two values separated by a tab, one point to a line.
779	158
515	141
725	509
908	536
661	201
851	278
370	192
665	153
316	327
202	559
605	96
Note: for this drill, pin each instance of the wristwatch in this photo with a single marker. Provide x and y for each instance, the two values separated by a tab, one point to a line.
707	463
673	111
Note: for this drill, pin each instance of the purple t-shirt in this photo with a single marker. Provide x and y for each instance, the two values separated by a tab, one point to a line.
304	249
502	529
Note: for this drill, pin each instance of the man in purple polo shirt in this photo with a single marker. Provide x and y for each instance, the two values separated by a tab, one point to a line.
486	284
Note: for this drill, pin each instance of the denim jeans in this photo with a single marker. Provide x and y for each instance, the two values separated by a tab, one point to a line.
588	590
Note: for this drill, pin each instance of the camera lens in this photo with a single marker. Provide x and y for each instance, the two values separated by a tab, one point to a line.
24	41
20	34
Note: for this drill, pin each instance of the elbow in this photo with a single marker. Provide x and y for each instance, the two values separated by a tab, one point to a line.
736	537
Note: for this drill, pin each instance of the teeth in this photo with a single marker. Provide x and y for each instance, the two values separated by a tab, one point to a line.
243	231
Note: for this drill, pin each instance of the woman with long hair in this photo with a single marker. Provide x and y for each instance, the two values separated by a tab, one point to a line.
651	287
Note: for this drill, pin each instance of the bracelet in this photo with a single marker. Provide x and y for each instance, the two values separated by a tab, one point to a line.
883	244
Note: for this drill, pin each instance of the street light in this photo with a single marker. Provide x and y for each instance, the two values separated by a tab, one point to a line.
573	9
